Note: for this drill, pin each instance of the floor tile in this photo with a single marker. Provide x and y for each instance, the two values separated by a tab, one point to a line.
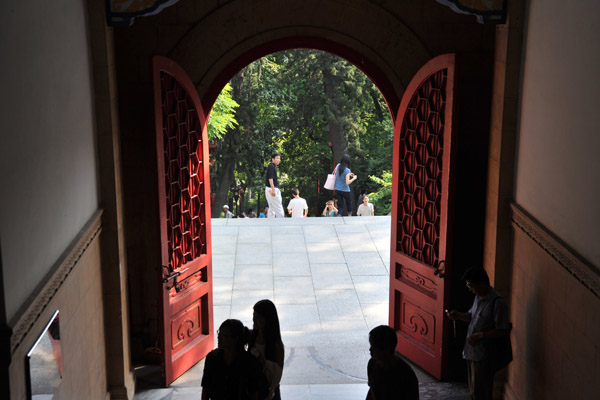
254	234
376	314
250	277
341	229
253	253
299	317
295	392
320	233
338	304
372	289
325	252
294	290
154	394
220	314
331	276
365	263
225	244
222	288
339	392
223	265
289	244
291	264
218	230
277	231
356	242
242	303
185	393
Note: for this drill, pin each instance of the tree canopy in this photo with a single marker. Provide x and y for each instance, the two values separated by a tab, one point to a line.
310	106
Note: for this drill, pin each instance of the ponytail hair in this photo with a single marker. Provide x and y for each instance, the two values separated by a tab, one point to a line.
344	163
238	331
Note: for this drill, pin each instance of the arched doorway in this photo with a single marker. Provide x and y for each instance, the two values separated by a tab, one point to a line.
420	217
211	63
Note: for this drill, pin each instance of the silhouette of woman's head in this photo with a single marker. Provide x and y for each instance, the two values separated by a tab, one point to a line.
265	316
232	335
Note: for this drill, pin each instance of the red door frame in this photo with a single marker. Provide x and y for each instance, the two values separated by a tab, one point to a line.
422	192
186	302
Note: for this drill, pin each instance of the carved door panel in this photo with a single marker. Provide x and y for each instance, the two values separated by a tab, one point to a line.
421	211
183	187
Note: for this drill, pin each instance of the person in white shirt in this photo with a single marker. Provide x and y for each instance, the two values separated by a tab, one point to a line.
297	206
365	209
228	214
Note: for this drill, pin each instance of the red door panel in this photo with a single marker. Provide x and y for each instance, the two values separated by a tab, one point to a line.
183	183
421	195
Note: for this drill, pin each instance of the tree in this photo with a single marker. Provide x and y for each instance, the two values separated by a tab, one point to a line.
312	107
382	197
222	116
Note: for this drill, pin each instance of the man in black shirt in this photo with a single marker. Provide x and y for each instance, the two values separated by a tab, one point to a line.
272	193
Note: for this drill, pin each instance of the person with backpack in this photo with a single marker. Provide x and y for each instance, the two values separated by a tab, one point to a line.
487	347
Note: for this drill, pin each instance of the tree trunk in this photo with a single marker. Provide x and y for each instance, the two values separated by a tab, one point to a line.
337	134
221	195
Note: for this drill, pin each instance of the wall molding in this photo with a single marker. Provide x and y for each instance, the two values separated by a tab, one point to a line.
35	305
569	259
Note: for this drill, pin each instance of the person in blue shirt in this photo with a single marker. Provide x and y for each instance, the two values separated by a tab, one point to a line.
344	178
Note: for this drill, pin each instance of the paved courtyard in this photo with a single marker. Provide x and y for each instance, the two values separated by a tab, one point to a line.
329	278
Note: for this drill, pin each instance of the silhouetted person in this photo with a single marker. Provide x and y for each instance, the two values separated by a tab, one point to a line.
488	319
230	372
343	179
390	377
266	345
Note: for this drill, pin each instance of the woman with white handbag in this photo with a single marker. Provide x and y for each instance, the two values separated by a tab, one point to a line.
344	177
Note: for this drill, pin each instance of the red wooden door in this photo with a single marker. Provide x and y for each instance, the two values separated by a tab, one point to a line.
421	199
183	187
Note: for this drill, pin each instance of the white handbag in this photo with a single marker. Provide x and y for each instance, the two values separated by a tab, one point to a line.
330	182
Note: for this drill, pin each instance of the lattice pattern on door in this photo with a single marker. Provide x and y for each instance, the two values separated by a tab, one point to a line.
186	225
420	171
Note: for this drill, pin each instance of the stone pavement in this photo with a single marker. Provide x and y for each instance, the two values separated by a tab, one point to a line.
329	278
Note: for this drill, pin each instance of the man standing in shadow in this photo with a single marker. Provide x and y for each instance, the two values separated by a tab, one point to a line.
390	377
488	321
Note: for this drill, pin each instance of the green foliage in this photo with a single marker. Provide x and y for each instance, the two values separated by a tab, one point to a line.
296	102
222	116
382	197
